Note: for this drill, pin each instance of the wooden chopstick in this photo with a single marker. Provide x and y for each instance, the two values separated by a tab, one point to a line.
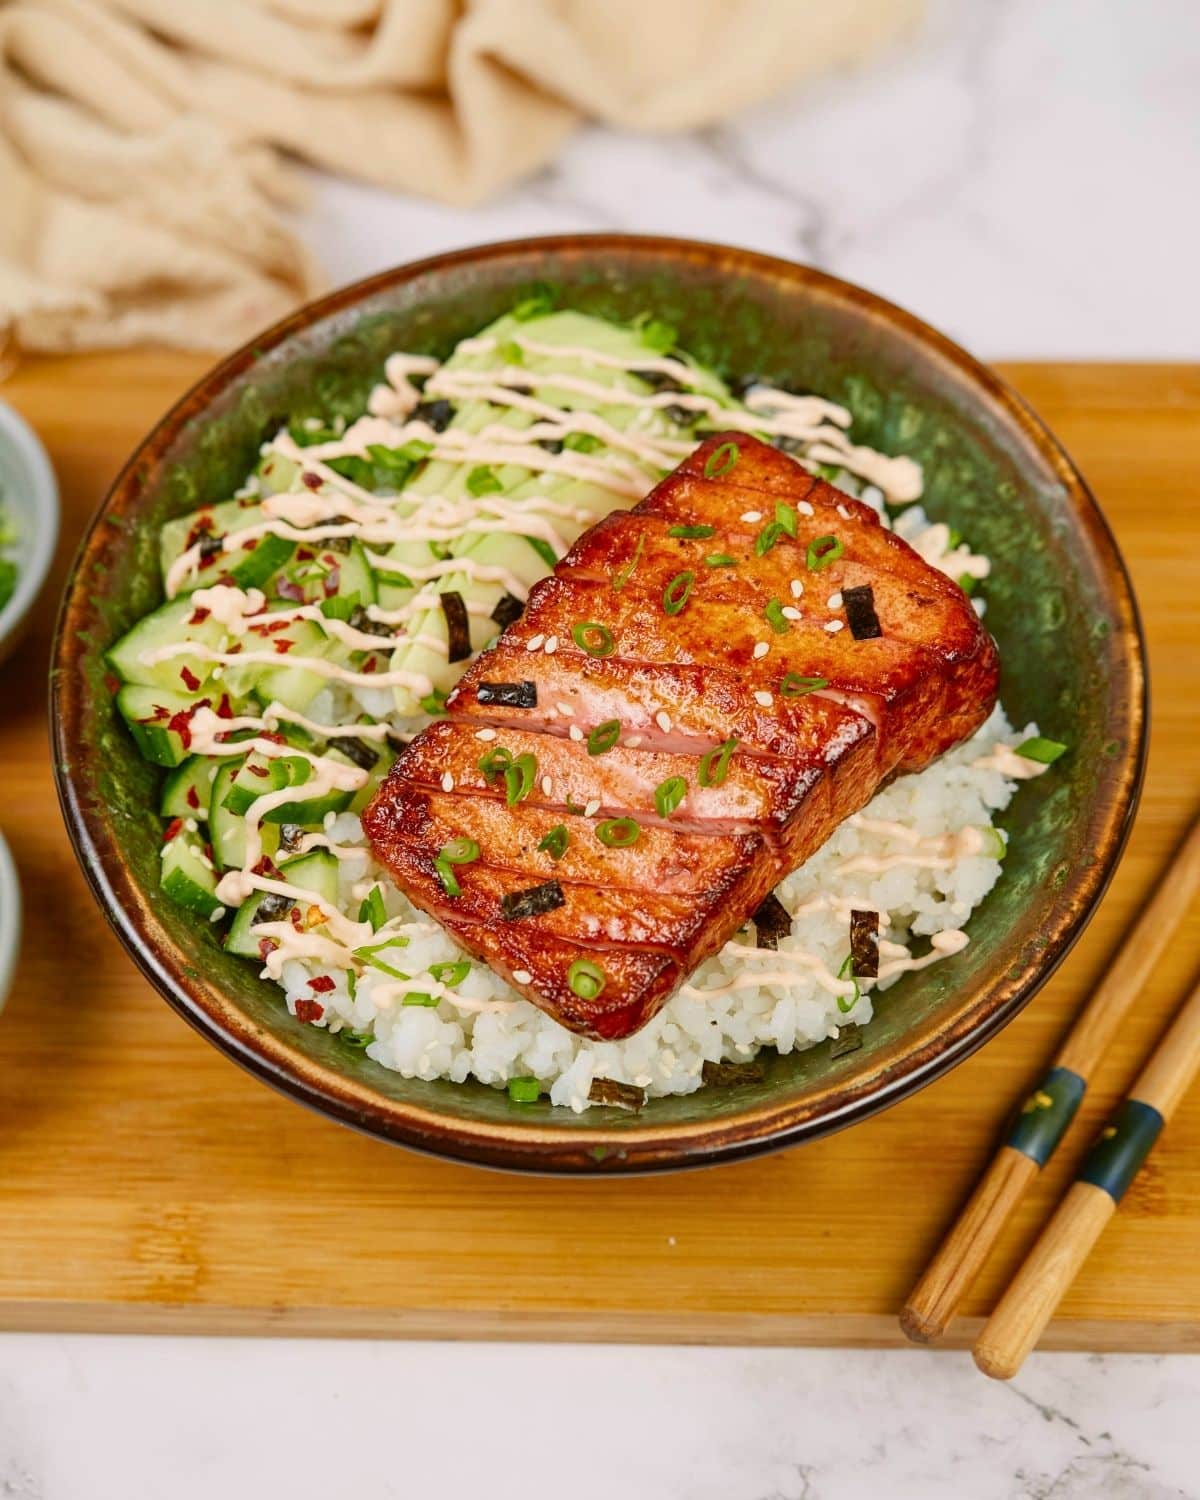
1108	1169
1050	1108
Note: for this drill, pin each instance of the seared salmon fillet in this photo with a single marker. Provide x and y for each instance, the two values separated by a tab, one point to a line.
705	687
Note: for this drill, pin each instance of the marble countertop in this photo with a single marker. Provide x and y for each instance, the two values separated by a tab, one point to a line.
1023	175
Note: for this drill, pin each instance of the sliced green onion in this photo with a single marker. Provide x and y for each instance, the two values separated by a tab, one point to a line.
847	972
541	300
452	972
482	480
604	737
460	851
994	844
714	764
657	335
785	516
622	576
678	592
721	460
495	762
582	442
368	956
511	352
1046	752
543	549
953	537
555	842
776	618
434	702
823	550
767	538
420	997
967	583
601	642
586	979
445	873
795	686
518	780
692	533
829	473
524	1090
618	833
372	909
668	795
720	560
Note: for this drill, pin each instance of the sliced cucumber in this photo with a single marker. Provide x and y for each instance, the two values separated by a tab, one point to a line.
375	776
334	574
316	871
186	791
150	712
188	877
170	624
260	774
227	829
294	685
248	566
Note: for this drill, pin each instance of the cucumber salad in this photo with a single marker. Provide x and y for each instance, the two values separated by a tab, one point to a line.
315	621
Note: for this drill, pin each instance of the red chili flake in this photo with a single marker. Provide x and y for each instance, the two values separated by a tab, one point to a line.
266	946
159	713
235	648
309	1010
181	724
189	678
371	663
257	770
208	853
296	919
224	708
246	502
228	580
273	628
332	581
305	554
249	544
288	588
284	644
193	797
203	527
113	684
199	615
313	481
265	867
322	984
174	827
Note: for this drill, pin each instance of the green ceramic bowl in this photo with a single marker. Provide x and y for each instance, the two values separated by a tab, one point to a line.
1059	603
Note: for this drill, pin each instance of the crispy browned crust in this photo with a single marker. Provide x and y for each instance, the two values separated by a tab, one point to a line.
680	685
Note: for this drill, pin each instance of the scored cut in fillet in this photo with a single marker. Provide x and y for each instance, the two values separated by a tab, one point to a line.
679	685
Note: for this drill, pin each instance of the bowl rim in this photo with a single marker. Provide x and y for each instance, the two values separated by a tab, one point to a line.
43	540
537	1145
10	919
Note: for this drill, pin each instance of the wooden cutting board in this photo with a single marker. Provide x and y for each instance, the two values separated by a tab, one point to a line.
147	1183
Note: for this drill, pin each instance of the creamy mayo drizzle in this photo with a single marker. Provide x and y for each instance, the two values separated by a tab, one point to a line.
398	397
1004	758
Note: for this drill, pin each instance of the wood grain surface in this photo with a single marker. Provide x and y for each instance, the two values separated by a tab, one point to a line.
147	1183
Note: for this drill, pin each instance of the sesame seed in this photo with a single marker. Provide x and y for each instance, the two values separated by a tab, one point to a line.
632	741
752	515
797	589
789	612
534	643
663	720
485	734
763	699
835	600
833	626
804	508
575	732
547	784
522	976
843	512
761	648
447	782
552	645
216	914
566	710
591	808
190	824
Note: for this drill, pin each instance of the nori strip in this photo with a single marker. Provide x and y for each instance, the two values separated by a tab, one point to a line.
458	626
290	835
864	944
508	694
360	753
361	620
533	902
272	908
849	1039
508	608
727	1075
620	1095
860	612
436	414
771	922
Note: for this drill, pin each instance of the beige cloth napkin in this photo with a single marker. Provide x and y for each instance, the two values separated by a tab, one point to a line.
143	143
